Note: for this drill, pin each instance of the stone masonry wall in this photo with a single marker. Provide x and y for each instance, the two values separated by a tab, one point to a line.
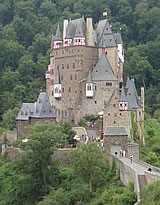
22	125
114	117
115	141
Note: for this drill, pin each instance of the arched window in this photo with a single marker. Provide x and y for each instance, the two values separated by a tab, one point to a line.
56	90
70	77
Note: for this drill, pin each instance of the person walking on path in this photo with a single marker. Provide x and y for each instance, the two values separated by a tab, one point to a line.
131	157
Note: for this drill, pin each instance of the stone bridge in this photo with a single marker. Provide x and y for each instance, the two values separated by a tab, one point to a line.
135	171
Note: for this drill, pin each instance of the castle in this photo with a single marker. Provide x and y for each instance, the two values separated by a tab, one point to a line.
85	77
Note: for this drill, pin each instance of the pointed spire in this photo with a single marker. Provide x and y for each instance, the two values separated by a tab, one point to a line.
79	31
58	33
123	95
57	81
89	79
128	82
70	30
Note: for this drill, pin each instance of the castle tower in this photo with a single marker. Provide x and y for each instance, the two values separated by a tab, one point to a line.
69	34
79	38
57	40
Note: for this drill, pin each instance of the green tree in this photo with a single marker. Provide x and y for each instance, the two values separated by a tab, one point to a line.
58	197
150	195
88	162
9	119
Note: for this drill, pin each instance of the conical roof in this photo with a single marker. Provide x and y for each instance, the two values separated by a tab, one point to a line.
57	80
58	35
103	70
132	96
123	95
89	79
128	82
70	30
79	31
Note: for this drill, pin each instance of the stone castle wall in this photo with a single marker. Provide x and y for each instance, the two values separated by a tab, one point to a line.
22	125
114	117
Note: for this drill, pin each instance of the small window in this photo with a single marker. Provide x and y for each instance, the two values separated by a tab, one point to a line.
139	113
52	93
62	90
69	89
108	84
73	65
57	67
95	102
110	39
62	51
62	66
108	114
67	66
115	114
114	122
114	105
95	87
106	52
62	77
70	77
120	114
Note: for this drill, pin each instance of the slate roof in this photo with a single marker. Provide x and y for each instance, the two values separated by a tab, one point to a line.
58	35
57	80
70	30
104	35
115	131
40	109
132	97
89	79
103	70
128	82
79	31
123	95
75	28
118	38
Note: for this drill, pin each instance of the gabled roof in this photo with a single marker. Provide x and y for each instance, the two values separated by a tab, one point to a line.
132	97
104	35
57	80
40	109
115	131
103	70
123	95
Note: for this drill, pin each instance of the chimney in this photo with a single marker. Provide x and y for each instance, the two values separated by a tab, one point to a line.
89	33
65	24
